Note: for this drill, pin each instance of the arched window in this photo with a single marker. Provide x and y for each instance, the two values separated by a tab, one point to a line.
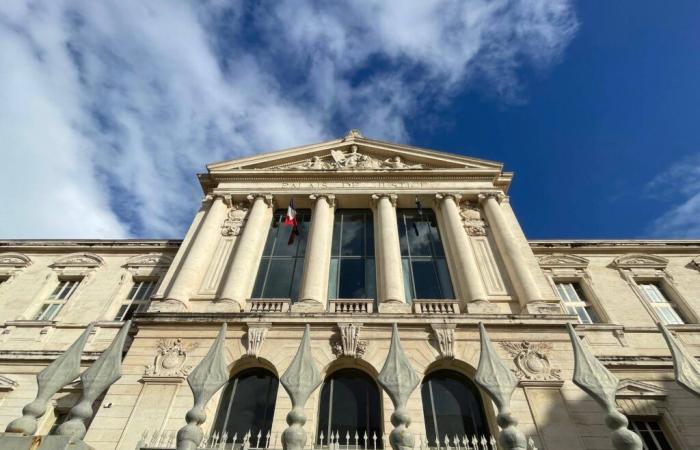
350	406
247	406
451	407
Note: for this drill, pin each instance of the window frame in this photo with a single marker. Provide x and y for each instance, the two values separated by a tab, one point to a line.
584	302
367	255
52	299
668	291
126	308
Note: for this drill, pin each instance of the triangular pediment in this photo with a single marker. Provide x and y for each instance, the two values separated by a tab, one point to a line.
639	389
355	153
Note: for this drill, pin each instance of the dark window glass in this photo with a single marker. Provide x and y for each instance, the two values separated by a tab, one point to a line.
451	407
352	255
651	433
425	269
282	263
350	404
247	406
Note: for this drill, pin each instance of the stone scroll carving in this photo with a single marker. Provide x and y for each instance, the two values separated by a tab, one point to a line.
106	370
685	366
341	159
399	379
598	382
235	217
299	380
169	361
531	361
59	373
347	342
207	378
473	221
499	383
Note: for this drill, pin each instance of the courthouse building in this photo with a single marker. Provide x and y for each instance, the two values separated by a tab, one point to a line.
386	234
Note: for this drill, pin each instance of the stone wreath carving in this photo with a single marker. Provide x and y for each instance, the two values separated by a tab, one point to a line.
472	220
531	360
347	341
169	360
234	220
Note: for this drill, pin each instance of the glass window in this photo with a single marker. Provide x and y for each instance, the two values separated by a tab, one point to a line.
137	300
279	275
652	434
451	407
575	302
351	409
424	267
352	273
58	298
246	408
665	310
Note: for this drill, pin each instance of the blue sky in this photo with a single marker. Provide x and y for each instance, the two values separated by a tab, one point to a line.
108	109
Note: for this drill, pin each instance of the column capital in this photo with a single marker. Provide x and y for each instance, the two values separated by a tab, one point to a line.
499	196
445	195
392	198
266	197
330	198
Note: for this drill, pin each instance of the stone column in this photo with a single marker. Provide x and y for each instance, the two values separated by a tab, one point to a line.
197	256
391	296
243	265
517	267
313	293
465	271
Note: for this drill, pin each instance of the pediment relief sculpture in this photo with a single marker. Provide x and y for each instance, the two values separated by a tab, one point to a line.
638	260
234	219
352	159
531	361
473	221
79	260
561	260
14	260
169	360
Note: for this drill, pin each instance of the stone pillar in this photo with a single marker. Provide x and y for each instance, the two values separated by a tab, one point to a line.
245	259
313	293
518	270
391	296
197	256
465	271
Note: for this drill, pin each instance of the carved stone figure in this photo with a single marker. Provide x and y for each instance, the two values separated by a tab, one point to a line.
347	342
169	360
234	220
341	159
531	360
396	163
473	221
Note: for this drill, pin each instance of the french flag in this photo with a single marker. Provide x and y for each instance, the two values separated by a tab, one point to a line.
291	220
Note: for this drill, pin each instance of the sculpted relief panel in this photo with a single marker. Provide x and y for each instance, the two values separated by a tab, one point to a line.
531	361
352	160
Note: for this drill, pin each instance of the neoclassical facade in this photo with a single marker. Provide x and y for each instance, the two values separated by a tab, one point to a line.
386	234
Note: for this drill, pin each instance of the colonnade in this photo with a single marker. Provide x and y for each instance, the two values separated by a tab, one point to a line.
242	267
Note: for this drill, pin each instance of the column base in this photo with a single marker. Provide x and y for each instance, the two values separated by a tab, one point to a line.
543	307
482	307
394	308
307	306
225	305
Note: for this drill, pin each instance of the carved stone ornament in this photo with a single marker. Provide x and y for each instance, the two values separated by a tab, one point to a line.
56	375
499	383
531	360
347	342
234	220
598	382
563	260
399	379
150	260
207	378
169	360
342	159
445	337
255	339
686	368
79	260
14	260
639	260
472	220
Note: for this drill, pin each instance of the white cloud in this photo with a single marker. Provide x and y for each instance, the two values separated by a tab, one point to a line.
679	185
108	109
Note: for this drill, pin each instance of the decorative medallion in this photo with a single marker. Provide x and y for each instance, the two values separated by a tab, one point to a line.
531	360
347	342
472	220
234	220
169	360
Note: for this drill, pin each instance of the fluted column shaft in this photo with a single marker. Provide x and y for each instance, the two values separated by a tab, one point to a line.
314	280
517	267
243	265
197	257
390	288
470	286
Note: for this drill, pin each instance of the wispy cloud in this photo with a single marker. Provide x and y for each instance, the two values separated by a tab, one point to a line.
679	186
108	109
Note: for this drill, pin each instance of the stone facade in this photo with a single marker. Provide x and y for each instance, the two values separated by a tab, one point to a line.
498	276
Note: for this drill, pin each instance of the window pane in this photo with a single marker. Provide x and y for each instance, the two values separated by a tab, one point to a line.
333	279
352	279
435	235
418	238
370	278
353	234
279	279
296	281
407	280
425	280
120	313
260	278
444	277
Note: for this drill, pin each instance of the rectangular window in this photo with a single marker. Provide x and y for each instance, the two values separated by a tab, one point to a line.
137	300
424	267
352	273
576	303
52	305
652	434
279	274
666	311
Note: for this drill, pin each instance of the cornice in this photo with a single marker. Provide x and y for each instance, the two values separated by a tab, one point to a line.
541	246
75	245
